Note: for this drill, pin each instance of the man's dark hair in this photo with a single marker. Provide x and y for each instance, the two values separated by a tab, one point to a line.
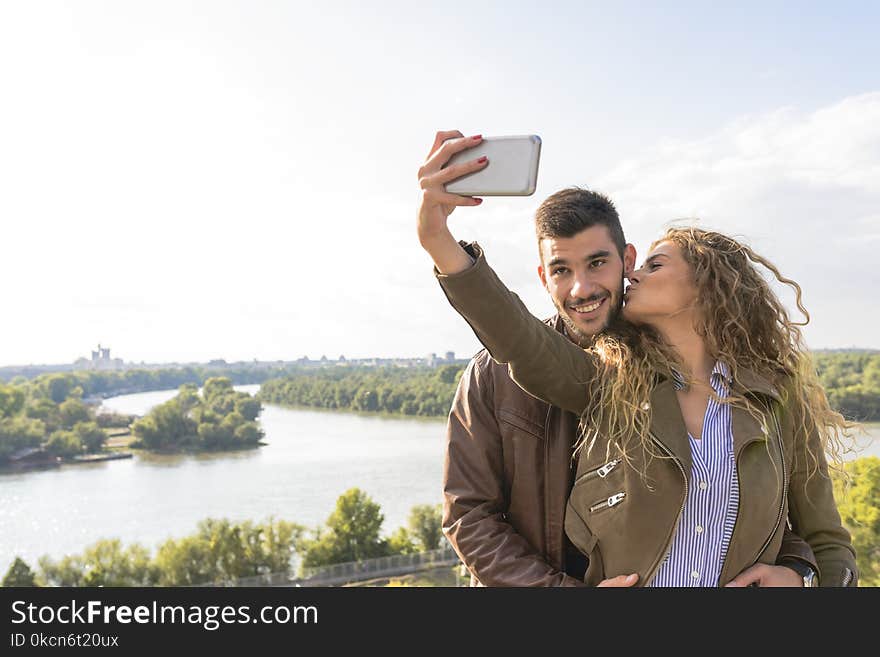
571	210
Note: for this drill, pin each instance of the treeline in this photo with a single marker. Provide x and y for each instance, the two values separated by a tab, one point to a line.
852	382
401	391
220	418
221	551
108	383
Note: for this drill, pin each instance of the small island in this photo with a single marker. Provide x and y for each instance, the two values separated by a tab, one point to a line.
220	418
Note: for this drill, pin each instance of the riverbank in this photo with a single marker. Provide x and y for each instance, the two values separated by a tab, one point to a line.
348	411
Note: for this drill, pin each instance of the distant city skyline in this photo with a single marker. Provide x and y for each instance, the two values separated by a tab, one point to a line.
101	360
237	180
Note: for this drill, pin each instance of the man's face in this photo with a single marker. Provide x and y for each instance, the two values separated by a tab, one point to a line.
584	276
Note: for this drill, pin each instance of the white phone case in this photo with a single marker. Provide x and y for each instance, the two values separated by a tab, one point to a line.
512	168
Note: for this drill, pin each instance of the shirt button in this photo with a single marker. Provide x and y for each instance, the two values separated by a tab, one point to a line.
698	529
695	575
703	485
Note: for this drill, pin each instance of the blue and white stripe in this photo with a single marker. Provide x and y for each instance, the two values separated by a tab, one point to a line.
702	536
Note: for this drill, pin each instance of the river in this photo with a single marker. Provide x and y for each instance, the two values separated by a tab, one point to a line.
311	458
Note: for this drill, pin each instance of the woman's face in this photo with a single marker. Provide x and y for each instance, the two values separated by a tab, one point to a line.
662	289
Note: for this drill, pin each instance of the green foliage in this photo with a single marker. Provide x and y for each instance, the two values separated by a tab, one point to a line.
424	523
107	420
72	411
222	551
11	400
45	410
400	542
18	433
209	422
58	387
352	532
64	443
91	436
449	373
859	506
420	391
19	574
104	563
852	382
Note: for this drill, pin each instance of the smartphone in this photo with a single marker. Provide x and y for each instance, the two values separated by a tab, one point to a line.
512	168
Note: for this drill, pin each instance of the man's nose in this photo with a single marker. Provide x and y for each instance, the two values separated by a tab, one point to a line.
583	287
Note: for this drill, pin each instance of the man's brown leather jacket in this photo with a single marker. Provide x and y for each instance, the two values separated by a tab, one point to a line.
507	476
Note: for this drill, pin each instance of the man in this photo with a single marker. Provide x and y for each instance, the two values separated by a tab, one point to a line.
508	467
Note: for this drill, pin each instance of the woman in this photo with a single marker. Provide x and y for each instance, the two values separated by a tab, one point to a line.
703	425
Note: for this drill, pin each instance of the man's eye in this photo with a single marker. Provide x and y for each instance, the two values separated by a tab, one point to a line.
597	263
556	272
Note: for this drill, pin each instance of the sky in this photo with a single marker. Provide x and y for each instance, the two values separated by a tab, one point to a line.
184	181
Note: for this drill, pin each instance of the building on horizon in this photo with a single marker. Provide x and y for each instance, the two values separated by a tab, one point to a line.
100	360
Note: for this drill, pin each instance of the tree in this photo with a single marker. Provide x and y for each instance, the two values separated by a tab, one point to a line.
248	407
859	507
91	436
45	410
400	542
11	400
449	373
352	532
73	411
58	387
19	432
64	443
19	574
222	551
104	563
425	526
167	425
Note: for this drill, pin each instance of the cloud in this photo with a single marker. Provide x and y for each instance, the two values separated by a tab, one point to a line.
802	188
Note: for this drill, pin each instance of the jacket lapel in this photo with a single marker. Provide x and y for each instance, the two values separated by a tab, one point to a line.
667	423
746	427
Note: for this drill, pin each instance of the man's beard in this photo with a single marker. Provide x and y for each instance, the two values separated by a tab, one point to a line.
580	337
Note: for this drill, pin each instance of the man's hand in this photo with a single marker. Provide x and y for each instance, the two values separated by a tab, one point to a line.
437	204
763	575
622	581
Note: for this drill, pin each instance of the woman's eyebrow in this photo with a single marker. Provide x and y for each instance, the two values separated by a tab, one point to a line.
654	257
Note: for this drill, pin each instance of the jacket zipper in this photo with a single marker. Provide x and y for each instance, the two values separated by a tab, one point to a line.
847	577
653	570
598	472
608	502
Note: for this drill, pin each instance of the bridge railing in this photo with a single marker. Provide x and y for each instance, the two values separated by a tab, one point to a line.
353	571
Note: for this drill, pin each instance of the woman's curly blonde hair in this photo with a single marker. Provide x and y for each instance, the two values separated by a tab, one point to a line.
745	326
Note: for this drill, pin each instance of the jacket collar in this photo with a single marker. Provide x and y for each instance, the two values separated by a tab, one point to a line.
667	422
756	384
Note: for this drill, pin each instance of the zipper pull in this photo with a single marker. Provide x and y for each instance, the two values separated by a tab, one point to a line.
614	499
608	467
